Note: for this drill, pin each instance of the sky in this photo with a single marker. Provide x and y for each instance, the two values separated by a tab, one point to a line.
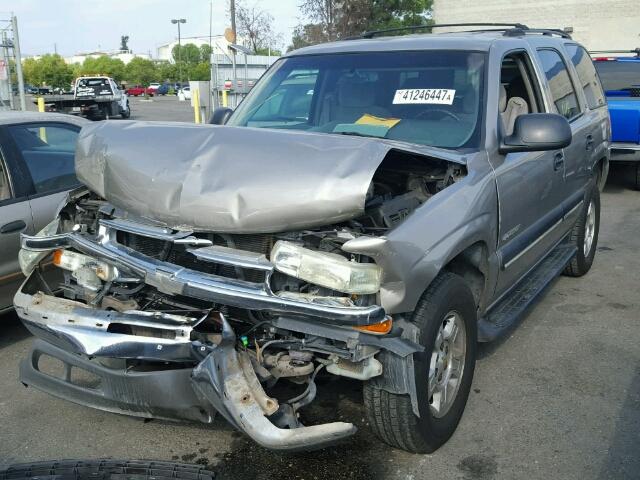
74	26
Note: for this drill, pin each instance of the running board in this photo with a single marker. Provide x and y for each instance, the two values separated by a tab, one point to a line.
510	310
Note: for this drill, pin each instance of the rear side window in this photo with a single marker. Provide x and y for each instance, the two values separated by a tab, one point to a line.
48	151
5	188
562	91
588	76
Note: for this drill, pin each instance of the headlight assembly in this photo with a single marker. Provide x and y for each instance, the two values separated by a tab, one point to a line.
29	260
325	269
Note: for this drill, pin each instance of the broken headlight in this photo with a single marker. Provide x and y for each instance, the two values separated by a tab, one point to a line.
325	269
28	259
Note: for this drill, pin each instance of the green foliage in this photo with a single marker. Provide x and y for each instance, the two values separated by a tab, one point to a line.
333	19
104	65
50	70
187	54
167	71
201	71
141	71
266	51
205	53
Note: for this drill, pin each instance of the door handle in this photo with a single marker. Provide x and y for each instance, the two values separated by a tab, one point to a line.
589	144
558	161
14	226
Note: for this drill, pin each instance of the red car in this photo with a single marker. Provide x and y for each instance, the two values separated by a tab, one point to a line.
139	90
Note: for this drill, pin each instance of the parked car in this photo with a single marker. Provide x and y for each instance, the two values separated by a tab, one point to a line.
36	170
162	89
185	93
30	89
620	77
154	86
139	90
394	201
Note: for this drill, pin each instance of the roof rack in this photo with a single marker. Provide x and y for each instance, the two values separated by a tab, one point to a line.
509	29
635	50
412	28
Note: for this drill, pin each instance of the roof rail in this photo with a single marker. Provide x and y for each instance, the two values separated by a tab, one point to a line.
412	28
635	50
514	32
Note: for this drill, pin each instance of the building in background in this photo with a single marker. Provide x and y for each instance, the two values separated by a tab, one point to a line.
125	55
597	24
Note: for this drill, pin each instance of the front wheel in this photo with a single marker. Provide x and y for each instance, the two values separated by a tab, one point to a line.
584	235
446	317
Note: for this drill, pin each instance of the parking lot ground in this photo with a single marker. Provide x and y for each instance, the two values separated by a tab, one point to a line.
161	108
559	398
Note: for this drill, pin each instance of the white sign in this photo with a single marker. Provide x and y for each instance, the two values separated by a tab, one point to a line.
439	96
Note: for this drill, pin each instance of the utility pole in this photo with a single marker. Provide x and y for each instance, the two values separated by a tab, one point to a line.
18	58
232	11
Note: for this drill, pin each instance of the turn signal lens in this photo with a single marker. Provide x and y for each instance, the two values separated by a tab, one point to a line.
381	328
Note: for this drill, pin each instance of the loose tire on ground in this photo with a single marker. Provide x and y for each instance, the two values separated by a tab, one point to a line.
391	415
588	224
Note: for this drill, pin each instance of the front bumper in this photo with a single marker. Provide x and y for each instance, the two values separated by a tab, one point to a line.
625	152
222	381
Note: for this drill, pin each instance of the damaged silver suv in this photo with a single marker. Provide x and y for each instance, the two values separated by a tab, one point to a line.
372	210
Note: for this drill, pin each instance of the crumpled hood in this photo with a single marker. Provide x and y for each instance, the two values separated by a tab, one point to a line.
231	179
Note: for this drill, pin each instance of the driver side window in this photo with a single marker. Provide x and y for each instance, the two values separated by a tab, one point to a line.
519	90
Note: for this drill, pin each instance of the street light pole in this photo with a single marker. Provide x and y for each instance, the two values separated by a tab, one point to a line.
178	21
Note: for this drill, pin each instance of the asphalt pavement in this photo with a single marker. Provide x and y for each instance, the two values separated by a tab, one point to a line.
559	398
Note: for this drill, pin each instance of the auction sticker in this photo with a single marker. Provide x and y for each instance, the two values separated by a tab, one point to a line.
440	96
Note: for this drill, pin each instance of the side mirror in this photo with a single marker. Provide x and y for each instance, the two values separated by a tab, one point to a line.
535	132
220	116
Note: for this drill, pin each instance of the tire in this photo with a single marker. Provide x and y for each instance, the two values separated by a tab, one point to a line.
391	415
637	184
588	221
127	112
105	469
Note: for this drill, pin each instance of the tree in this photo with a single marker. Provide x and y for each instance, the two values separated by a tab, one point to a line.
333	19
113	67
257	26
50	70
141	71
187	54
167	71
200	71
124	43
205	53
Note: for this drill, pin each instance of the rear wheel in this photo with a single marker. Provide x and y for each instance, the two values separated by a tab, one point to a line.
126	113
585	235
637	184
446	317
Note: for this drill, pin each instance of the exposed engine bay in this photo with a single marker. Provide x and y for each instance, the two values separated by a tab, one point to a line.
271	307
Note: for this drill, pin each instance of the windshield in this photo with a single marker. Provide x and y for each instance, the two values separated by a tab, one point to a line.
619	75
429	97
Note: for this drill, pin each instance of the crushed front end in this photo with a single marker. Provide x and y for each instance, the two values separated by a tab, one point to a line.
179	324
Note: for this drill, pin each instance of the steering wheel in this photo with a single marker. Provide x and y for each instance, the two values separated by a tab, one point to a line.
446	113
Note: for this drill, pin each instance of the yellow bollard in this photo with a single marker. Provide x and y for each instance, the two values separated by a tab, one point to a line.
196	104
43	132
225	101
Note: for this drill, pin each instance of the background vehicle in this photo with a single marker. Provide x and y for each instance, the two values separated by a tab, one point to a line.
139	90
394	201
154	86
93	97
36	170
162	89
621	81
185	93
